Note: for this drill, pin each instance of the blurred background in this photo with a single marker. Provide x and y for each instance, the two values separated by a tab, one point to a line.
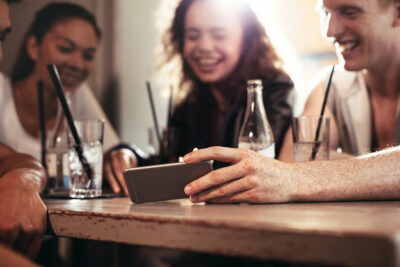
131	37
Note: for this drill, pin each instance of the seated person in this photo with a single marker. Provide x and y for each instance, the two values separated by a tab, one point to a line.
220	46
67	35
254	178
367	34
363	102
22	178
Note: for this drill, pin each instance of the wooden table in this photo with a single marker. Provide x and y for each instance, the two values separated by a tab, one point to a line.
344	233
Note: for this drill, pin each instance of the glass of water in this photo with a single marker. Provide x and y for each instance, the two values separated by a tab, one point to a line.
307	145
91	134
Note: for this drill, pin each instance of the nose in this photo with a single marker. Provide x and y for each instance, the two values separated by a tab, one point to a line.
205	43
76	60
332	27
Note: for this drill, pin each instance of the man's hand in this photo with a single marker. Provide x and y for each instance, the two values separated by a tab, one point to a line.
22	212
115	162
251	178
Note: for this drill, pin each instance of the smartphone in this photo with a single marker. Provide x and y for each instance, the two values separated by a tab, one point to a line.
163	182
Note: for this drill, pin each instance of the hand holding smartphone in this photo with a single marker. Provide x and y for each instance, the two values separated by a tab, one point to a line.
163	182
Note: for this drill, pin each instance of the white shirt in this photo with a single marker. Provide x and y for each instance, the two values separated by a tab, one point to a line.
83	105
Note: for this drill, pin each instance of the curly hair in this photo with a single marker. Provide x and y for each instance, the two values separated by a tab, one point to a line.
260	60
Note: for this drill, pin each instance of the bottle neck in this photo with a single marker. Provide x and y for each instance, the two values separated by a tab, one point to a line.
254	99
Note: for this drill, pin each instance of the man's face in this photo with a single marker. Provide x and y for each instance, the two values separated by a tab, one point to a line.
361	30
5	24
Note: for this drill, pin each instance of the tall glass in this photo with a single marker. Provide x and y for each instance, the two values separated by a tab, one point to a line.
169	143
91	134
306	145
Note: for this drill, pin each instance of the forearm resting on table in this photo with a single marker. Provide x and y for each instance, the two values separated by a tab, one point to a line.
371	177
25	167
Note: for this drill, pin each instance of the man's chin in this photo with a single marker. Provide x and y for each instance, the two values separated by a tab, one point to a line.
351	65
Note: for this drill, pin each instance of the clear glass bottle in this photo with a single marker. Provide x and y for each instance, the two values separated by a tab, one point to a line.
255	132
57	155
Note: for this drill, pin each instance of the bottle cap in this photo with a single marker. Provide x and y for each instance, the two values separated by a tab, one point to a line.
254	84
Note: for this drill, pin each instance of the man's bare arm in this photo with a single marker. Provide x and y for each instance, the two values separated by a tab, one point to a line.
11	161
254	178
23	213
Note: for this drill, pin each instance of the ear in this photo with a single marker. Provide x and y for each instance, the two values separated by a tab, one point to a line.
32	47
396	22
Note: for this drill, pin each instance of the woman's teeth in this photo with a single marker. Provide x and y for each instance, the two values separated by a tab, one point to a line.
208	62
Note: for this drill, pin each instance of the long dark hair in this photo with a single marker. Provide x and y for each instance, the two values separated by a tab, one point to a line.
45	19
259	61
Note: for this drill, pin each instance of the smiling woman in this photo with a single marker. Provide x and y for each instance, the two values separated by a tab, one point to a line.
66	35
221	45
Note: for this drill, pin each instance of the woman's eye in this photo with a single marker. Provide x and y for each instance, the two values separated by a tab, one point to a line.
219	36
192	37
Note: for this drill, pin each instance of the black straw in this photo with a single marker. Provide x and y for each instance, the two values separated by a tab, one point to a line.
42	122
153	112
78	144
316	145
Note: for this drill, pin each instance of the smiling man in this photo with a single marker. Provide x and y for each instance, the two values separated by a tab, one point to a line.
363	105
364	109
22	178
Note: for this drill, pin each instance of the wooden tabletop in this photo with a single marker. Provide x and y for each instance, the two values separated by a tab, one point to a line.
341	233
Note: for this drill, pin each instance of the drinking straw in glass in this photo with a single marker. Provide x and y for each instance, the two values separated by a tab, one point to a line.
70	120
316	146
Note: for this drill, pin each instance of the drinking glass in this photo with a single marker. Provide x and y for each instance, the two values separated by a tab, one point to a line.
306	146
91	134
169	143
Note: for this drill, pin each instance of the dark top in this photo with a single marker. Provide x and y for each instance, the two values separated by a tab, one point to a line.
196	116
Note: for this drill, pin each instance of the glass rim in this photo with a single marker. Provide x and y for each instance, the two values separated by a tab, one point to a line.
90	120
325	117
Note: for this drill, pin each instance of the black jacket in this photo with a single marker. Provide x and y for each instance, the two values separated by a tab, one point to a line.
194	117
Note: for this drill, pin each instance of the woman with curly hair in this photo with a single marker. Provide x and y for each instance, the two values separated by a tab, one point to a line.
220	46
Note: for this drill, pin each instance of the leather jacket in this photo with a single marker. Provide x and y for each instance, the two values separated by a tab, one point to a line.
194	117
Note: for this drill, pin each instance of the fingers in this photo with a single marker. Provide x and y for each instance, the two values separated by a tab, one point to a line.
111	179
114	165
239	197
22	242
32	225
120	162
9	232
225	154
223	190
33	246
214	178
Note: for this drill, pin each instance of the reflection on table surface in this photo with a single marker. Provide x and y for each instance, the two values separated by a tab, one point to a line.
349	233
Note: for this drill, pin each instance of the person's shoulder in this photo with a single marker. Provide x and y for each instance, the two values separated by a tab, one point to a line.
342	79
278	78
4	79
5	86
83	93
